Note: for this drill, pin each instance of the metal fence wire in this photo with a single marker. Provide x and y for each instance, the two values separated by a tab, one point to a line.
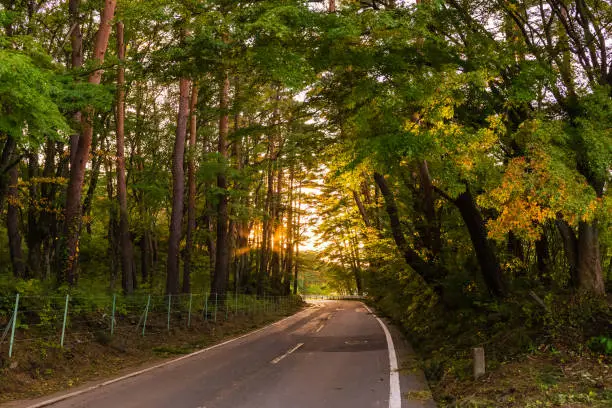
64	319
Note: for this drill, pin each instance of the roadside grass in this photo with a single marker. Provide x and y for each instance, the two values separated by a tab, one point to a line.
42	367
534	358
540	379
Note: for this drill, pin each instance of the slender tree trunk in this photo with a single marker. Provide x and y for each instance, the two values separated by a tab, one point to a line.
429	274
543	257
12	224
125	242
432	237
361	208
277	232
570	245
297	240
487	259
113	227
5	165
36	231
72	213
288	269
222	258
91	188
191	181
178	189
266	227
76	61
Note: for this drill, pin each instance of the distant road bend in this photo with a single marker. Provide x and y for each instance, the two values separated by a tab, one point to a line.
334	354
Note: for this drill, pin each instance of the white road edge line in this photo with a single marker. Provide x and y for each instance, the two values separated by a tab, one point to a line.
279	358
395	399
320	328
167	363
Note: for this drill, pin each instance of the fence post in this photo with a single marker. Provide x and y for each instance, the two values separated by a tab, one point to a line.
189	318
216	305
236	304
144	324
64	323
226	305
14	325
113	314
169	307
206	306
479	367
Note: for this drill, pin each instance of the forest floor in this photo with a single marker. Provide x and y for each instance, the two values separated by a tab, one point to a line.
544	378
529	363
45	368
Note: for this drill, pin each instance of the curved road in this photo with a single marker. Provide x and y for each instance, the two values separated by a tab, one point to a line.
334	354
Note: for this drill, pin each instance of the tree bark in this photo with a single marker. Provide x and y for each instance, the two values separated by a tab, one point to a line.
12	225
590	273
222	258
72	212
266	227
125	241
37	231
487	259
191	181
5	165
543	257
431	229
288	267
429	274
570	245
297	239
361	208
178	189
276	233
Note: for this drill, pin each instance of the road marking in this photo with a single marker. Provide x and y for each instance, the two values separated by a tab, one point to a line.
167	363
279	358
395	399
320	328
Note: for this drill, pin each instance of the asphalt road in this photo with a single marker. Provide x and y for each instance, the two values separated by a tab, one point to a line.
335	354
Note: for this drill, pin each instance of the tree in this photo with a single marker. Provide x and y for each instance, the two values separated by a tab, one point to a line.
80	157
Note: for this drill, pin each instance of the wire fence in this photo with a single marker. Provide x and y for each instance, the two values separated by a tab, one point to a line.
67	320
332	297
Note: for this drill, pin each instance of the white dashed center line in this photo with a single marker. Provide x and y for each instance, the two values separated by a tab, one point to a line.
279	358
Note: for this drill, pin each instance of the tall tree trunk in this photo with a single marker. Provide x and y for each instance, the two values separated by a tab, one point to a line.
266	227
277	232
297	235
429	274
288	267
222	258
96	163
76	61
485	253
12	224
432	237
72	213
590	273
543	257
191	181
5	164
125	241
113	227
570	246
36	230
361	208
178	189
